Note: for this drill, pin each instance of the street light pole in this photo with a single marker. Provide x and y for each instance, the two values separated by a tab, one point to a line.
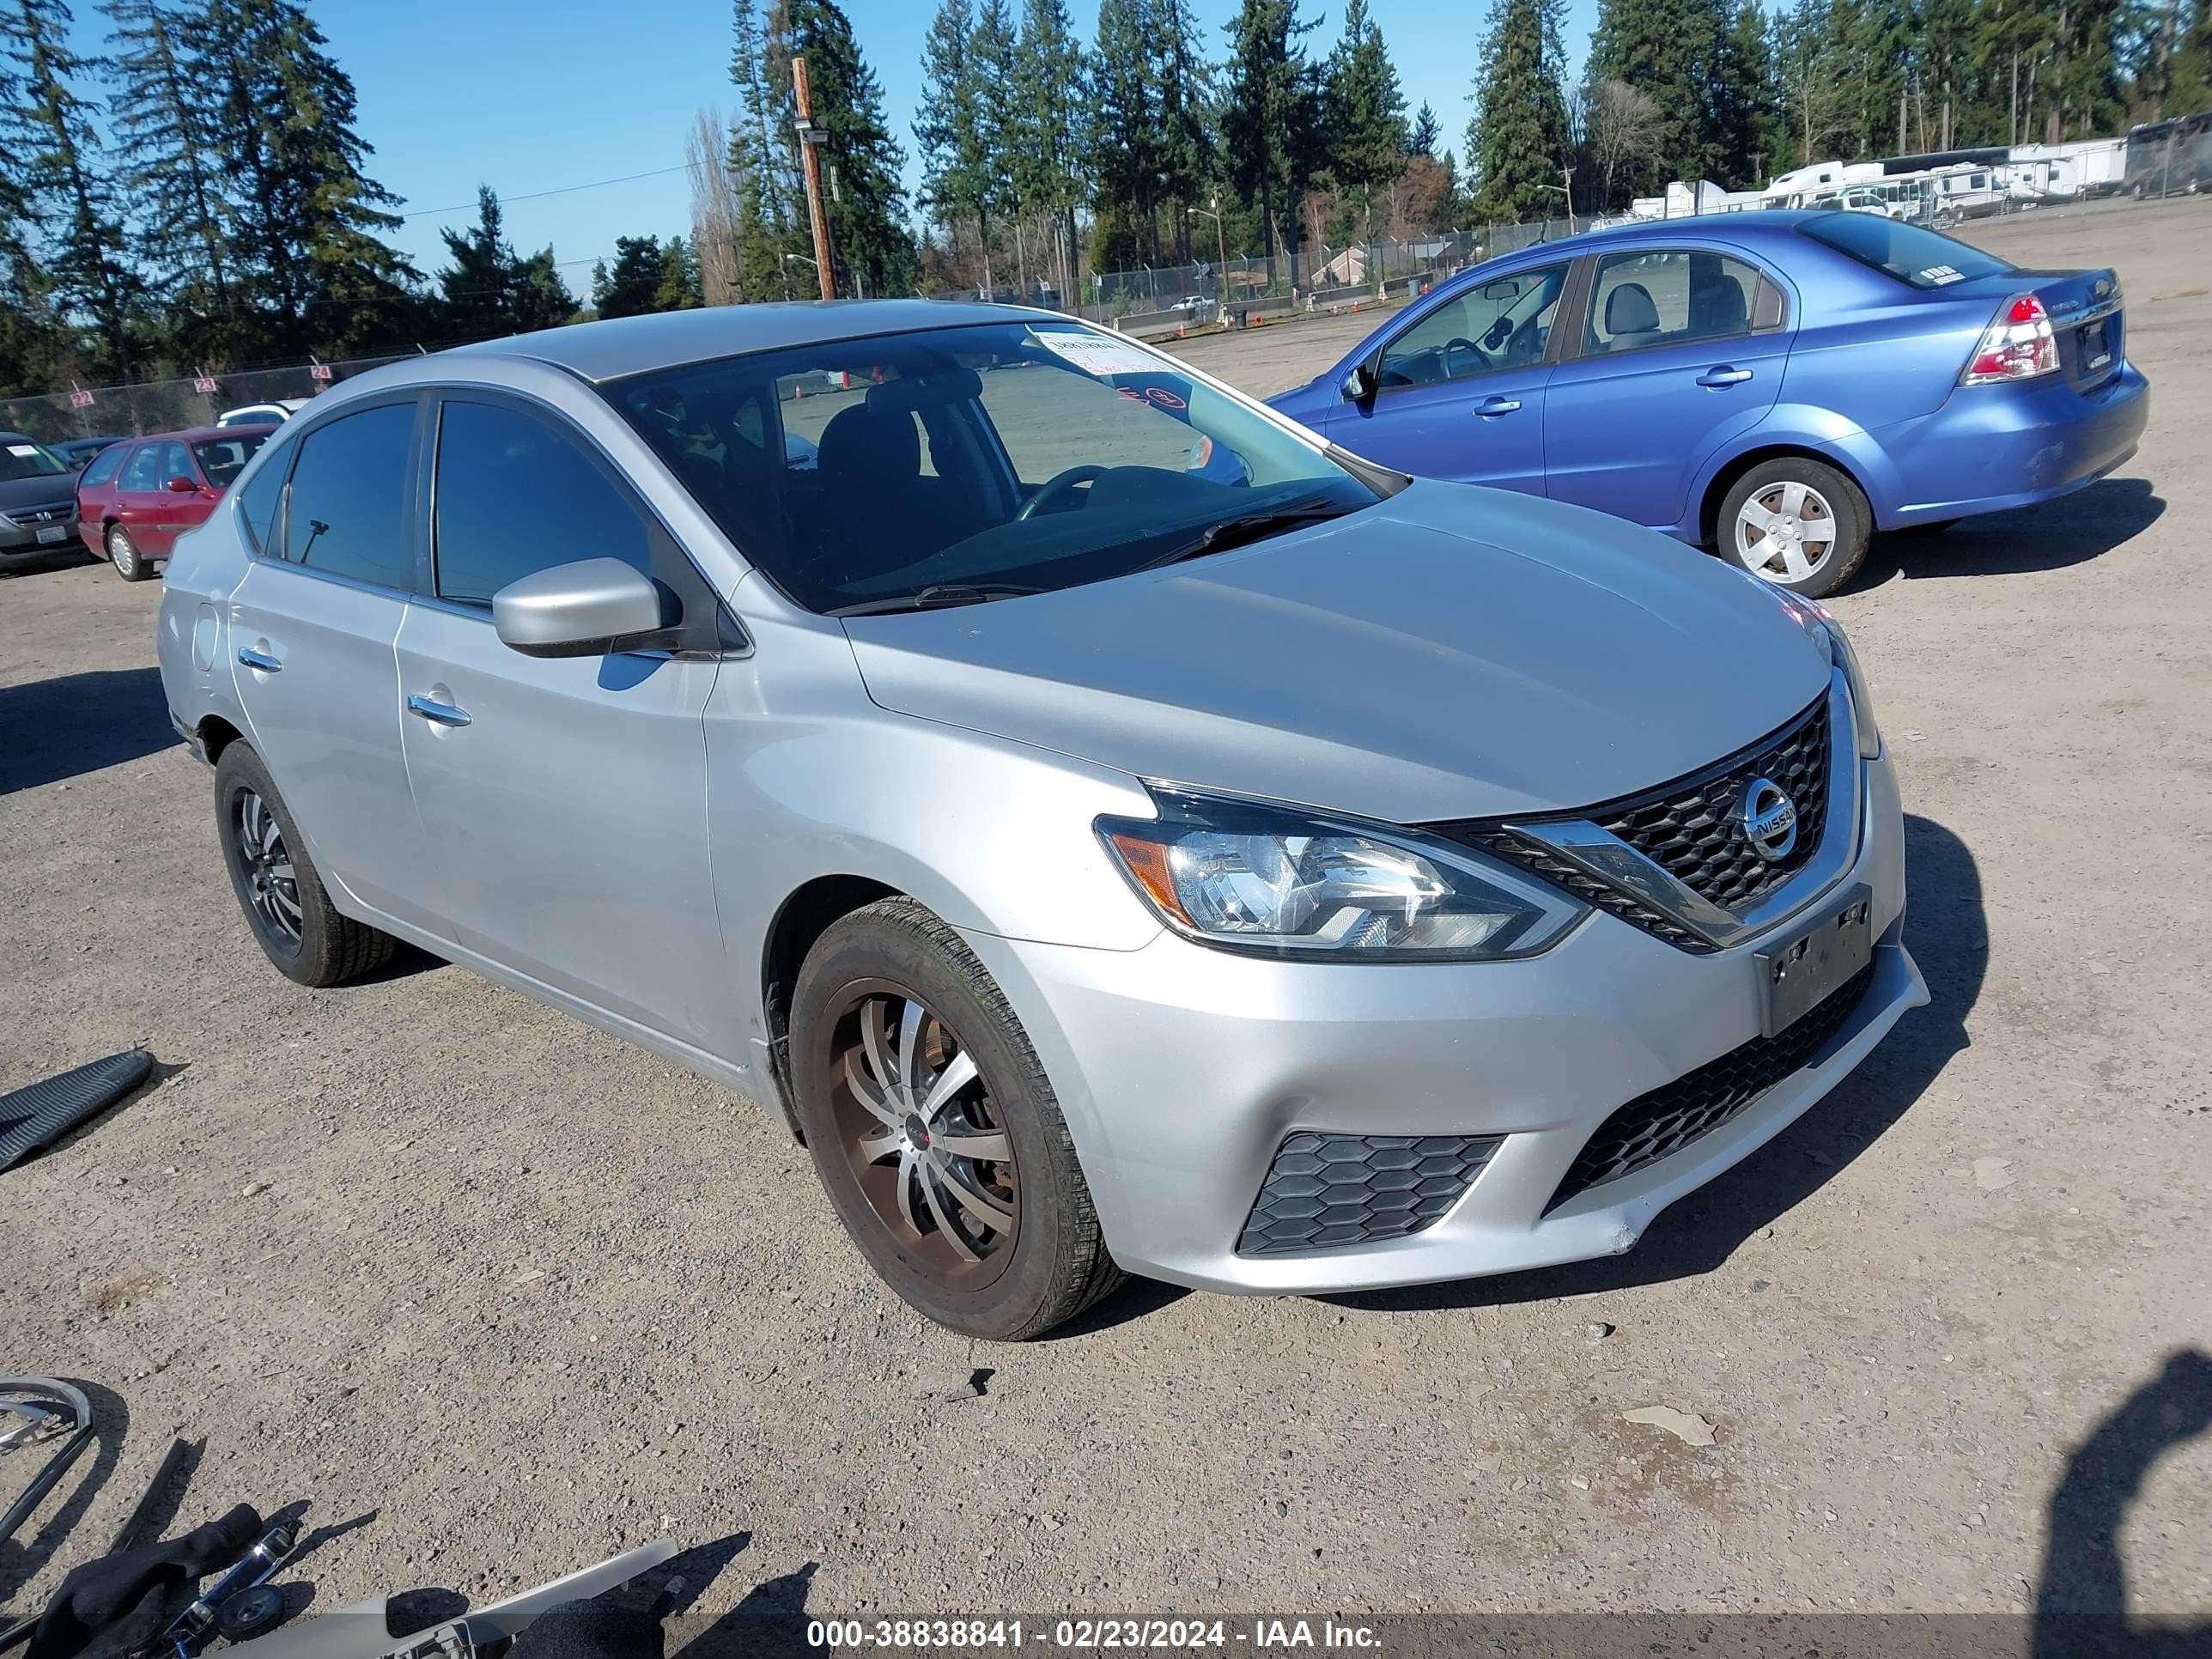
810	140
1221	243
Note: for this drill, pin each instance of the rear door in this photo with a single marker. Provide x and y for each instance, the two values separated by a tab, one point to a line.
312	627
564	799
138	504
1679	350
1461	389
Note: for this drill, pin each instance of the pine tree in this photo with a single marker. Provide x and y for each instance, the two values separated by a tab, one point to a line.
1363	112
1050	96
678	289
67	200
170	172
1517	143
632	287
1271	120
1123	144
489	291
1669	51
1181	84
760	159
1422	140
1743	98
956	181
866	213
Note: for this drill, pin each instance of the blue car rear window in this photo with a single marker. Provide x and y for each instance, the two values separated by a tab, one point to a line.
1921	258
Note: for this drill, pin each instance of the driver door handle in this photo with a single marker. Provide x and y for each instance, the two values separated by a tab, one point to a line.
1496	406
439	713
1724	375
261	659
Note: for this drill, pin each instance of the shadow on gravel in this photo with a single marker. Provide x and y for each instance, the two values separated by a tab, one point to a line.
2072	530
2081	1605
80	723
20	1561
770	1623
1949	934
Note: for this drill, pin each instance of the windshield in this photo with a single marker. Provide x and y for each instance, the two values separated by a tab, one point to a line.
952	464
1922	257
21	459
223	459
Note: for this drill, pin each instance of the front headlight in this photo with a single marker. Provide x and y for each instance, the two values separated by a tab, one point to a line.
1274	881
1828	634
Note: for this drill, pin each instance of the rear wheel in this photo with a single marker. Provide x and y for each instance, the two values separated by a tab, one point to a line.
123	553
1797	523
298	928
935	1130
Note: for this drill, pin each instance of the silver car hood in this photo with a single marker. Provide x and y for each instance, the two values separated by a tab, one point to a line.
1451	653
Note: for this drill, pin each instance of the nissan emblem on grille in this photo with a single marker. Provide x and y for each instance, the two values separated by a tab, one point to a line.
1768	818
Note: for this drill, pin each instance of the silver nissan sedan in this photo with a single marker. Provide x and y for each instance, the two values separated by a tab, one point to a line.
1118	831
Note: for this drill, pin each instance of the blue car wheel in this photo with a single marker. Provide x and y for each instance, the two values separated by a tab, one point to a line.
1797	523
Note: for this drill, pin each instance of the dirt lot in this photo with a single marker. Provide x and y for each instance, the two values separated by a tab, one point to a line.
514	1295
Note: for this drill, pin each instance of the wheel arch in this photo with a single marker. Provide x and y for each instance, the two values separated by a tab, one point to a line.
1725	475
215	734
807	913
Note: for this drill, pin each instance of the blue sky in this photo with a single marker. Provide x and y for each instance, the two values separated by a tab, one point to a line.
531	95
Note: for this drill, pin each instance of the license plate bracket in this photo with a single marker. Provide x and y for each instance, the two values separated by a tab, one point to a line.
1797	977
2096	345
51	533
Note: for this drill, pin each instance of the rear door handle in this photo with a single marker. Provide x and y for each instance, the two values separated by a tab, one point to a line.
1498	405
439	713
1724	376
260	659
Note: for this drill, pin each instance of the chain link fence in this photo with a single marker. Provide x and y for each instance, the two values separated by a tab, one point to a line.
124	411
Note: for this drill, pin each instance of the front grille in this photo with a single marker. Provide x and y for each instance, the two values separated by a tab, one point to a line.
1324	1190
1662	1122
1688	828
27	516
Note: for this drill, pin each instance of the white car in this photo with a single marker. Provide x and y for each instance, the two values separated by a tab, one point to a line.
258	414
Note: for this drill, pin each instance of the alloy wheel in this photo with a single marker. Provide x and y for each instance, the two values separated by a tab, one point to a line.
1785	532
926	1142
272	888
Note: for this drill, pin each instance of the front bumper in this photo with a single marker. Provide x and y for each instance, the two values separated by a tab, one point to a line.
1991	447
1181	1070
17	540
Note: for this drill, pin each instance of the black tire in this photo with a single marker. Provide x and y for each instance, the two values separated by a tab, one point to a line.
123	553
1846	516
1936	528
322	948
1051	1262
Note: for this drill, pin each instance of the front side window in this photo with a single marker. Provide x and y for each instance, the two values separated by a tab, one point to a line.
514	496
174	462
1668	297
347	512
1923	258
223	459
955	464
21	459
105	464
1504	323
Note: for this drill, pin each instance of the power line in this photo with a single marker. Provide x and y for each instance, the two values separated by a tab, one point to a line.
565	190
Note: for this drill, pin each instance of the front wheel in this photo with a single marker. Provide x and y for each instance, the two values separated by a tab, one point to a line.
1797	523
123	553
935	1130
294	922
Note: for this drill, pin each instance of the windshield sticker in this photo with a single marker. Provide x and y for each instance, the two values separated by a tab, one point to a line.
1938	276
1096	354
23	449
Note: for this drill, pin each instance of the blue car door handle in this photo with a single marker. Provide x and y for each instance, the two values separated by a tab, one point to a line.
439	713
261	659
1724	375
1498	405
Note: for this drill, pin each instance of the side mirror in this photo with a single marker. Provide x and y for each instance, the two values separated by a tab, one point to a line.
180	486
585	609
1359	384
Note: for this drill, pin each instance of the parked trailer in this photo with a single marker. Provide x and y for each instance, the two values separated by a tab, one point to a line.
2170	158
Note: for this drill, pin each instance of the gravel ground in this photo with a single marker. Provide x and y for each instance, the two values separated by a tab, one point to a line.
511	1295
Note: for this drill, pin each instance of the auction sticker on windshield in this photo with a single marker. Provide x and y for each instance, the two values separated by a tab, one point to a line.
1095	354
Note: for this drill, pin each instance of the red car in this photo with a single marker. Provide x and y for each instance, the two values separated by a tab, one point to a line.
140	495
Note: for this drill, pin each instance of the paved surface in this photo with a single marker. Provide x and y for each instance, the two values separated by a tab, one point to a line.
434	1256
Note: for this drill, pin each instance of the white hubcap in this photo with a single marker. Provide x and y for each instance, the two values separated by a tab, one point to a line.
1785	532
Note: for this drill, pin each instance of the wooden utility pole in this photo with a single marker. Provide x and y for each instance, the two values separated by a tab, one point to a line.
810	141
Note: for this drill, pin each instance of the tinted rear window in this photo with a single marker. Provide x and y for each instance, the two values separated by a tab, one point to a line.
1921	258
349	511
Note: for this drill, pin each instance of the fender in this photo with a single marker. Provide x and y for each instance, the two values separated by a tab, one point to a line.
1804	426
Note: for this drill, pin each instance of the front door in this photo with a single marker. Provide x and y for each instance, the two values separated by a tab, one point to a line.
1674	359
1461	389
312	630
564	799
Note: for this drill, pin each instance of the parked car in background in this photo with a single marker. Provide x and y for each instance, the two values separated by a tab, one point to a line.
78	452
1776	385
139	496
1123	831
269	414
37	498
1194	303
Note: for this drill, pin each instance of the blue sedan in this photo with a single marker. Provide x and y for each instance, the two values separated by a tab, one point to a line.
1775	386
